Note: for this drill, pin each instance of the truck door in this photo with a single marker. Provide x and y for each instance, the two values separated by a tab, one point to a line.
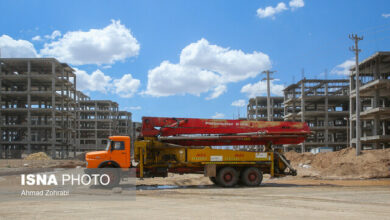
119	154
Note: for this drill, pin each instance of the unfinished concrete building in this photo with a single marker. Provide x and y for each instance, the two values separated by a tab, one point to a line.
257	108
123	123
374	91
97	122
324	106
37	107
99	119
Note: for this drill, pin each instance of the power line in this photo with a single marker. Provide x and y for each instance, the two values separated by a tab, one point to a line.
356	49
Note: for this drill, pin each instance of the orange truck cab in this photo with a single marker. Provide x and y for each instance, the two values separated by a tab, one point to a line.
116	154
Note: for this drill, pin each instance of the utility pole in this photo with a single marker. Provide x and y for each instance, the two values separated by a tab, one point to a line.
268	72
356	49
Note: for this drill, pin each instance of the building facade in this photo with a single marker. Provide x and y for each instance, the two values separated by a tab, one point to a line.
41	111
324	106
374	91
257	108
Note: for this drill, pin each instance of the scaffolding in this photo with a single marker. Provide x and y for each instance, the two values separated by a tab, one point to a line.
374	91
257	108
324	106
37	107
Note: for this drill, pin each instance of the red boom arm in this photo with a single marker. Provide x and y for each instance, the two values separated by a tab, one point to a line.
215	132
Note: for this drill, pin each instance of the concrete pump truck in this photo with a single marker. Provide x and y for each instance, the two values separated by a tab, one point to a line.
185	145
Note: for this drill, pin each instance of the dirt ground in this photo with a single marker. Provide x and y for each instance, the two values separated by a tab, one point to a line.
334	185
194	197
343	164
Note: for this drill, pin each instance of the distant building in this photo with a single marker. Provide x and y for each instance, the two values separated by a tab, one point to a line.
41	111
99	119
257	108
324	106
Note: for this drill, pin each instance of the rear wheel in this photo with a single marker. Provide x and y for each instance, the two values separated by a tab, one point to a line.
252	176
227	177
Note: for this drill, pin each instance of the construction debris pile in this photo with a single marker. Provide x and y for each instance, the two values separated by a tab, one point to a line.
343	164
38	156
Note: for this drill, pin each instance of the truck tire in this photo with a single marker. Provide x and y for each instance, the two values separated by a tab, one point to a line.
114	177
227	177
214	180
252	176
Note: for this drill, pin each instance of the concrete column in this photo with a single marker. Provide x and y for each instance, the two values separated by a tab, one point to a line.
303	109
69	125
110	117
62	114
293	103
376	120
76	143
29	107
326	121
272	109
351	109
302	101
96	126
285	106
1	118
256	107
247	111
53	110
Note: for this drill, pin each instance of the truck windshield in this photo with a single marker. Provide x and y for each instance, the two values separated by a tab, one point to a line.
108	145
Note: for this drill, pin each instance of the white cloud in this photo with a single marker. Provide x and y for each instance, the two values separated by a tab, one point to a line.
106	66
97	81
343	68
11	48
386	15
217	91
135	107
239	103
218	115
127	86
96	46
36	38
204	67
171	79
271	11
260	89
296	4
53	35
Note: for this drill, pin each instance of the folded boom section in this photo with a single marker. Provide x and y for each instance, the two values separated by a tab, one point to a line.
217	132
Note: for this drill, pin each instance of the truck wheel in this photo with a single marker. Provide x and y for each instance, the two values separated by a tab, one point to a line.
227	177
111	177
252	176
214	180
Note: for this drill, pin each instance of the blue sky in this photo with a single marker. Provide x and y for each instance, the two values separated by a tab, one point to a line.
127	51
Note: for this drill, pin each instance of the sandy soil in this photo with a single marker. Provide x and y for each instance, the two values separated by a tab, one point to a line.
343	164
196	198
18	166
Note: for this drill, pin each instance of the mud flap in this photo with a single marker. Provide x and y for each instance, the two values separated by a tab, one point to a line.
210	170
